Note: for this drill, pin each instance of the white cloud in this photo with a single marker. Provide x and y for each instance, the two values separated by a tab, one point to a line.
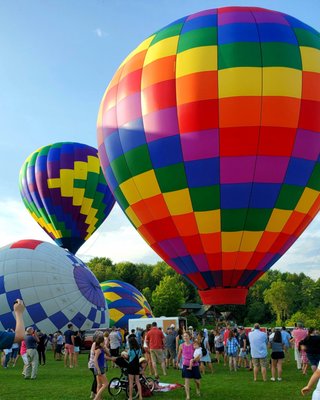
100	33
117	239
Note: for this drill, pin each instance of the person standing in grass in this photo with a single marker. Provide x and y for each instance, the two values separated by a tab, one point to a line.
69	346
134	367
77	345
243	341
298	334
31	340
206	357
232	346
277	355
156	343
99	366
311	345
23	354
286	337
186	351
218	344
91	363
259	352
179	340
59	345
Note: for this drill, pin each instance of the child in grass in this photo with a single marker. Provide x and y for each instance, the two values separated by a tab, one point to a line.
99	366
232	345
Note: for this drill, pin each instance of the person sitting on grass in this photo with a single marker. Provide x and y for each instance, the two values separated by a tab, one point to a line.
197	354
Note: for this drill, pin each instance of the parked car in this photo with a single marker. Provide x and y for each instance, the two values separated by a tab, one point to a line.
87	337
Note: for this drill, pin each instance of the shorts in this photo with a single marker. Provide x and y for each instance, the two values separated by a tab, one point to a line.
171	353
59	348
314	359
76	349
219	350
156	355
277	355
102	371
243	353
260	361
14	352
114	352
194	373
69	348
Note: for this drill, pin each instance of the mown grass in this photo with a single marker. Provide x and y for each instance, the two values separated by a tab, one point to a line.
54	382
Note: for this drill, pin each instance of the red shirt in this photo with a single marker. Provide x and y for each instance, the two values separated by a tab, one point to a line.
155	339
226	336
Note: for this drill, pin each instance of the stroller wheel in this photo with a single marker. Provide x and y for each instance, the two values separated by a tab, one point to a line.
150	383
114	387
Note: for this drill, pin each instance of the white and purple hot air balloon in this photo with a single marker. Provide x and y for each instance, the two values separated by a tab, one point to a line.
57	288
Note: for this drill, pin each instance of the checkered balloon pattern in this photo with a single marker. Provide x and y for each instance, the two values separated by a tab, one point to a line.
124	302
64	189
208	135
56	287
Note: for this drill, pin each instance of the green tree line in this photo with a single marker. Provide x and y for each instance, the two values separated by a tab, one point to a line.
275	299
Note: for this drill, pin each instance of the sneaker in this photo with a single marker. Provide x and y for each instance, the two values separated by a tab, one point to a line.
279	379
272	379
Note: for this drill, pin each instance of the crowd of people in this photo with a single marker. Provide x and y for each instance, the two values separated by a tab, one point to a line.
181	348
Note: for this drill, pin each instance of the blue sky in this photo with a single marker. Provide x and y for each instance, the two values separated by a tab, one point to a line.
57	59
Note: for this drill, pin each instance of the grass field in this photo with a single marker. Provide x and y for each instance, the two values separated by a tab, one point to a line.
54	382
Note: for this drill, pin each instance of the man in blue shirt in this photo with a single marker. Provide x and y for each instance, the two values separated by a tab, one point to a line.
8	338
259	351
69	346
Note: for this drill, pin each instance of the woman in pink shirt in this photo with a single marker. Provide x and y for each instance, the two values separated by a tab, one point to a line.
186	351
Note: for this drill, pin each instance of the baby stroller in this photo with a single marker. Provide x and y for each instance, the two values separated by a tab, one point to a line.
116	385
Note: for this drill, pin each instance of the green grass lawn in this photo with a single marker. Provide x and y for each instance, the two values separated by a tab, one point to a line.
54	382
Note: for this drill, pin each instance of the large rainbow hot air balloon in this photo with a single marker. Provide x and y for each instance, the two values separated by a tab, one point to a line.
124	302
64	189
208	135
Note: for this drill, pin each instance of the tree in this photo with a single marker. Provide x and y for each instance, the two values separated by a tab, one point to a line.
256	312
280	296
167	297
147	292
102	268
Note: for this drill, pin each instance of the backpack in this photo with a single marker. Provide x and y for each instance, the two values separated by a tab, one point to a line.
204	350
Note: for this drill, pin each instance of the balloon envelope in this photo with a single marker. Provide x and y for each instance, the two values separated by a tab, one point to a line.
208	136
124	302
57	288
64	189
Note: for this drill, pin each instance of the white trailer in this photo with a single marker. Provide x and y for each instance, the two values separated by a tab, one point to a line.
162	322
